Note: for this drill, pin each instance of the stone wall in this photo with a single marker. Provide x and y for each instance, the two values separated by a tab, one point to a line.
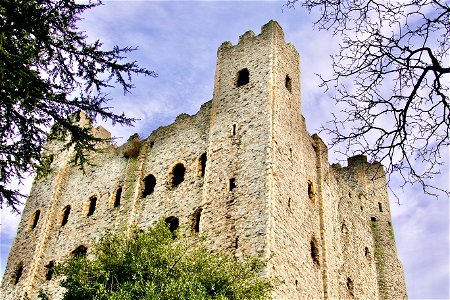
244	171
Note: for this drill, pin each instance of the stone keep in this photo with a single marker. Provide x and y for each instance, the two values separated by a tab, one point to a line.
244	170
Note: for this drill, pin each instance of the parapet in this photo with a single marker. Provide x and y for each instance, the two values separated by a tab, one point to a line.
272	28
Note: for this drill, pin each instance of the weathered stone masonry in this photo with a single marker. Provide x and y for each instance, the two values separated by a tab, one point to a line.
244	170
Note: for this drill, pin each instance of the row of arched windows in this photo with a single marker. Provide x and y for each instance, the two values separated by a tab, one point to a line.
176	177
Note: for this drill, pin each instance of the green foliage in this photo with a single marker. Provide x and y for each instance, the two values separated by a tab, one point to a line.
48	72
160	265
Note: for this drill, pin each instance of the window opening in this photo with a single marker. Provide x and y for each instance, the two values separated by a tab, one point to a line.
202	164
50	270
310	190
65	215
236	242
289	203
196	220
178	172
290	152
373	219
314	251
92	204
149	185
234	129
366	252
18	273
361	208
389	223
350	286
35	218
118	196
380	207
173	223
288	83
152	143
80	250
232	184
296	282
243	77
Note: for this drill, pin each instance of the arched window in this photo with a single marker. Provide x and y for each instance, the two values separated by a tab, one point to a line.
35	219
177	174
173	223
92	203
65	215
149	185
243	77
118	196
80	250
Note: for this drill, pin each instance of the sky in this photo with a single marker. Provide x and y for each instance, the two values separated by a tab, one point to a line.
179	41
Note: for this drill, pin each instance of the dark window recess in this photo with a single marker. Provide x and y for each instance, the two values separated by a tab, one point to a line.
389	223
361	208
173	223
18	273
290	152
65	215
80	250
373	219
35	221
178	174
289	203
118	196
92	205
152	143
243	77
149	185
314	251
196	220
236	243
366	252
380	207
234	129
296	282
202	164
288	83
232	184
350	286
310	190
50	269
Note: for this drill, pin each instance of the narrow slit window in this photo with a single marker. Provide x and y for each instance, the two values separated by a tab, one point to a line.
350	286
35	219
118	197
288	83
92	203
202	164
232	184
234	129
149	185
196	220
310	190
243	77
236	242
380	207
50	270
314	251
65	215
18	273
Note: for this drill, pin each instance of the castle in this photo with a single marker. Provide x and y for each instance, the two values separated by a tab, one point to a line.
245	170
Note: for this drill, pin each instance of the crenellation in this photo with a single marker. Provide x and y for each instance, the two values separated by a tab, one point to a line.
243	171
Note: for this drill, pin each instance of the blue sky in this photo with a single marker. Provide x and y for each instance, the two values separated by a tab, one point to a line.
179	40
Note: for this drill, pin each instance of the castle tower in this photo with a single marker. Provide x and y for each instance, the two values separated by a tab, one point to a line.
244	171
